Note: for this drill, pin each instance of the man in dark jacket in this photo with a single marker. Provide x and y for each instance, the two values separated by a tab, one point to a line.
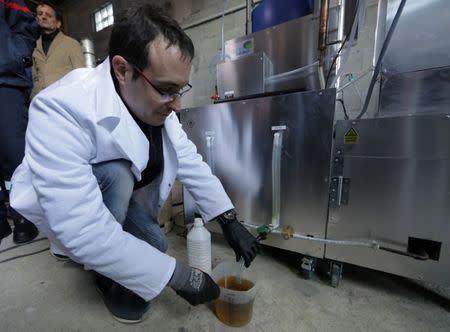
18	34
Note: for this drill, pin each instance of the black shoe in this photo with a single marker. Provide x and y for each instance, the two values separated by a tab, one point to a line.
59	257
125	306
24	231
5	229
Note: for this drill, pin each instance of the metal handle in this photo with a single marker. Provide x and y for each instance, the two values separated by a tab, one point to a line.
209	136
276	177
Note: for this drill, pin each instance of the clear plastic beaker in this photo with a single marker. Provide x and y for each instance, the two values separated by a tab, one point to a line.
234	306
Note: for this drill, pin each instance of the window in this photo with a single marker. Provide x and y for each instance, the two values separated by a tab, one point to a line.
104	17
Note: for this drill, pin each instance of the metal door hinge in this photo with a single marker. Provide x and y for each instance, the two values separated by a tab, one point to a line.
339	191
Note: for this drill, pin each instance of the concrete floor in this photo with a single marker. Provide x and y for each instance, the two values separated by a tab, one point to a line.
38	293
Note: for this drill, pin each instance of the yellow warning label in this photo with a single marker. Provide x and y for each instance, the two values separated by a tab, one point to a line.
351	137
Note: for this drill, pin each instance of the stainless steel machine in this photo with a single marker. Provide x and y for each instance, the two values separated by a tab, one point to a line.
371	192
390	174
272	155
392	181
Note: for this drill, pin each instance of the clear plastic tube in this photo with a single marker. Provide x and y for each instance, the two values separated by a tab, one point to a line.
276	177
209	137
222	33
358	243
370	243
290	74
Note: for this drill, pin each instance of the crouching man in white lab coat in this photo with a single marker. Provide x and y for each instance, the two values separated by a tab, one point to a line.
103	149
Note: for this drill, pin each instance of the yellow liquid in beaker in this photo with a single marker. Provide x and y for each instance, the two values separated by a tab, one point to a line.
234	314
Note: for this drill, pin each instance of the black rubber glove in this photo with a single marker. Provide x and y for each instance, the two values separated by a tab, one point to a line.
238	237
193	285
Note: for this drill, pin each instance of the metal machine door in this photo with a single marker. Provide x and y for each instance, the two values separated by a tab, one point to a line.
395	176
268	150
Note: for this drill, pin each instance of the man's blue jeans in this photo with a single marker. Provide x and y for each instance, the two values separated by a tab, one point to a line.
116	182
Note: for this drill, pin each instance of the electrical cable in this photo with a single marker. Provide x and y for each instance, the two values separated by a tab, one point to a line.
347	37
21	245
335	59
380	58
343	108
24	255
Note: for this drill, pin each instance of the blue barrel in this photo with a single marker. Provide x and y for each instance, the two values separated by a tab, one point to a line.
272	12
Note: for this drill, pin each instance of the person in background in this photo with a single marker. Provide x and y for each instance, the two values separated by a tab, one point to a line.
56	54
18	34
97	193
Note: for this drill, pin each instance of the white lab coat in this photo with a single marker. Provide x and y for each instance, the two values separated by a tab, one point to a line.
79	121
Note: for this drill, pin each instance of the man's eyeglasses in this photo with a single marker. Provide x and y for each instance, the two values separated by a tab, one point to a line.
166	95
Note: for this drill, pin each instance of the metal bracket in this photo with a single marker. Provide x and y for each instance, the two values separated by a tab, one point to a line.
335	273
308	263
308	266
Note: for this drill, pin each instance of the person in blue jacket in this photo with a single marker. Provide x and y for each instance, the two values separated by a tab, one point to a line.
18	33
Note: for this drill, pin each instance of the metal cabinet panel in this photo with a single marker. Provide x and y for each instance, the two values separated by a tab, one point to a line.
416	67
400	188
231	81
288	46
418	92
236	138
421	38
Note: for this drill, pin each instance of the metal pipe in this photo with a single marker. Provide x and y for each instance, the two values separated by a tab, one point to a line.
323	29
87	46
248	21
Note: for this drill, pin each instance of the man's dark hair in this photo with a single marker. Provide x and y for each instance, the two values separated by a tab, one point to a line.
52	6
134	30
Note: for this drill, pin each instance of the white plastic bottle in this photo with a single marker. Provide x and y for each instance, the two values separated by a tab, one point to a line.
199	246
